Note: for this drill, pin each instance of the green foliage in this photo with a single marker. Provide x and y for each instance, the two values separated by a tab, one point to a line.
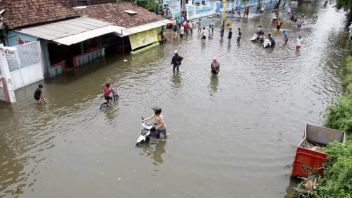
151	5
337	180
340	115
343	4
347	80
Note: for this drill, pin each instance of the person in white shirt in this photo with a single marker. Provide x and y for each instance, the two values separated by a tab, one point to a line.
182	31
298	42
190	24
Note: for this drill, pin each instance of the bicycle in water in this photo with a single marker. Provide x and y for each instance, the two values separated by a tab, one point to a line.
115	97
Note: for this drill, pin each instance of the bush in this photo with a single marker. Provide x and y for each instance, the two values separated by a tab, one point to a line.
340	115
337	180
347	80
151	5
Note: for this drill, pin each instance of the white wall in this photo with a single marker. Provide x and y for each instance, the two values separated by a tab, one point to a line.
26	76
25	64
2	93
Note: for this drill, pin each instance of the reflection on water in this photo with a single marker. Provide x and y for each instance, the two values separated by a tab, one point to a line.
111	115
214	81
238	44
155	150
159	150
176	80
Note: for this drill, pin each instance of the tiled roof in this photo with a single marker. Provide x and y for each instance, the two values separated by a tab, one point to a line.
86	2
21	13
115	13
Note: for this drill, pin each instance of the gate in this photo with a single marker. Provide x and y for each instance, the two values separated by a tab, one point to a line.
25	64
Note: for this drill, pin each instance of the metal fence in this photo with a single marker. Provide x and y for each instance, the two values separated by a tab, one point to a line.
22	56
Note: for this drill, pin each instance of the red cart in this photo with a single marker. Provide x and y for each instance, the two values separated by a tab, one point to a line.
309	155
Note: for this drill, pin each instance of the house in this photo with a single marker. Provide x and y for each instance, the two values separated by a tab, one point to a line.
140	27
73	36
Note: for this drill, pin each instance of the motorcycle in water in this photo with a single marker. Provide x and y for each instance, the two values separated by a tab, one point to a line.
258	37
254	37
266	43
146	131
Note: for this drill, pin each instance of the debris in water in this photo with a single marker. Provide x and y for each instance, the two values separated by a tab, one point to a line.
16	190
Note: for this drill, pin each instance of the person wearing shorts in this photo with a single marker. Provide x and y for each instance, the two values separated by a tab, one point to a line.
298	42
285	37
38	96
160	126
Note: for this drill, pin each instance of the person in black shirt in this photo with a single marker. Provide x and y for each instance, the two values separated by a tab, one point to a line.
38	95
176	61
229	36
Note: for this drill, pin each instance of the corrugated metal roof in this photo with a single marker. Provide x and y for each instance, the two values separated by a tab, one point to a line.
62	29
76	30
76	38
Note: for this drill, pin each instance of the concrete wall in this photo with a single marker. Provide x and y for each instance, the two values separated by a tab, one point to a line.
2	91
26	76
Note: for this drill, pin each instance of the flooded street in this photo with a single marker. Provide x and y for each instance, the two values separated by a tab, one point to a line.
233	135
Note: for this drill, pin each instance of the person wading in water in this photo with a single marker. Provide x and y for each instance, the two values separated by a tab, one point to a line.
176	61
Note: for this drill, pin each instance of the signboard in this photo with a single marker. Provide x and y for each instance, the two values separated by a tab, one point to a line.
143	38
174	6
198	11
10	54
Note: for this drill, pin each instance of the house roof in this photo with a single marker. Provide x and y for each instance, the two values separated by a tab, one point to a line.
115	13
21	13
85	2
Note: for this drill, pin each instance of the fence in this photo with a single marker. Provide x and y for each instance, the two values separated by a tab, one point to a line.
57	68
25	64
88	57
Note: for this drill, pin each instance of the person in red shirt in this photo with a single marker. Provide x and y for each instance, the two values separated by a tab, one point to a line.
107	91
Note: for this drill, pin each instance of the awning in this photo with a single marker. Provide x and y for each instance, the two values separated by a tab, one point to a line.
72	31
76	38
145	27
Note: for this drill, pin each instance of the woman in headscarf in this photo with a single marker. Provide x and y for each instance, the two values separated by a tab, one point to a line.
215	66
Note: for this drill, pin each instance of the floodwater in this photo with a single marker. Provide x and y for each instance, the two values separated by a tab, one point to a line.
233	135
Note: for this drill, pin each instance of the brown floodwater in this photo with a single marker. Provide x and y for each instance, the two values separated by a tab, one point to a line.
233	135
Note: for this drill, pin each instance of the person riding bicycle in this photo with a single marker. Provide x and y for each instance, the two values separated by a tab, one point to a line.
107	91
160	127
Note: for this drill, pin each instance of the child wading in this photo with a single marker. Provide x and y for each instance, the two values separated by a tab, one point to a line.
285	37
298	43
